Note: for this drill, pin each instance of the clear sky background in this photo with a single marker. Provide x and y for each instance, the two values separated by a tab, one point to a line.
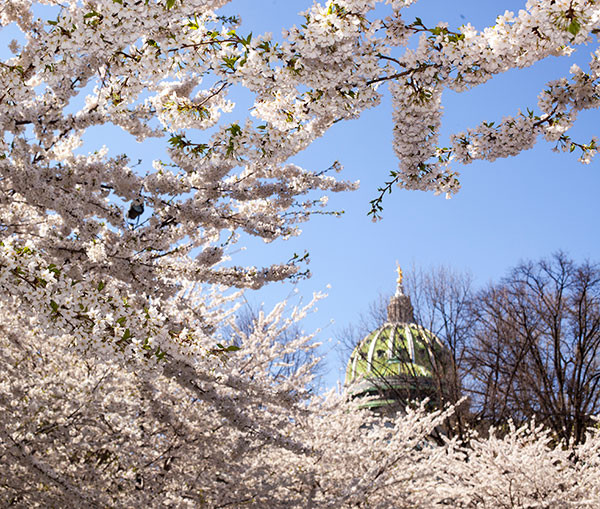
525	207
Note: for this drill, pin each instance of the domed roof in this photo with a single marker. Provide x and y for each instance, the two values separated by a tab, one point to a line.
398	362
394	349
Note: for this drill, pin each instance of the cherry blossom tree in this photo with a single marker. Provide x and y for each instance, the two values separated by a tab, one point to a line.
116	279
91	433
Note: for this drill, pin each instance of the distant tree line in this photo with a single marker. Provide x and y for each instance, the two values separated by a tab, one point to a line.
524	348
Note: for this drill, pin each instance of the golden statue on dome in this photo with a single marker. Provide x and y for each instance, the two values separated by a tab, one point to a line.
399	270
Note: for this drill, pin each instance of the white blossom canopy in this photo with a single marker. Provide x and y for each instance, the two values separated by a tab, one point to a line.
113	274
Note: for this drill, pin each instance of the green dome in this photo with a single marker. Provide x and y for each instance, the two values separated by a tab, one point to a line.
399	362
396	363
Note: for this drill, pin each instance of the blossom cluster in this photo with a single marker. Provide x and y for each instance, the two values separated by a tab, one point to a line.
466	58
157	69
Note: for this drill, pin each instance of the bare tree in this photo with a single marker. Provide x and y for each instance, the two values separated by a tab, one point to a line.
536	350
441	299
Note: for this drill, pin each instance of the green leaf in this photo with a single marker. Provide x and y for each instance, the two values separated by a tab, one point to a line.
170	4
235	130
230	348
126	334
574	27
101	286
121	321
456	37
229	62
177	141
53	268
54	306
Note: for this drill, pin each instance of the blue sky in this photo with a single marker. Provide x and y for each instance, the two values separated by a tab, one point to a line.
525	207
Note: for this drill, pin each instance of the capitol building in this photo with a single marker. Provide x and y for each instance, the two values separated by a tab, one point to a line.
398	363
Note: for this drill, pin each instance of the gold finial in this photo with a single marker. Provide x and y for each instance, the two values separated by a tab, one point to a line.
399	270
